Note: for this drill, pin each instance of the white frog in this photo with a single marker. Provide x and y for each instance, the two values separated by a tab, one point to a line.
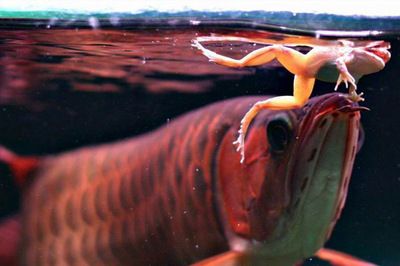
344	62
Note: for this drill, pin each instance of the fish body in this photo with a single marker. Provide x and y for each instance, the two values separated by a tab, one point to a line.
179	195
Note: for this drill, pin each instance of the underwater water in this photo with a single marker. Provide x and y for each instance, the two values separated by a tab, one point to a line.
66	88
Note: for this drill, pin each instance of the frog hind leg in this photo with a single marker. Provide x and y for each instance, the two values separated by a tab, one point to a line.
267	54
292	60
303	87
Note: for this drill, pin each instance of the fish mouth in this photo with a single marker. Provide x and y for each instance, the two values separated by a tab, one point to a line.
317	118
323	157
324	105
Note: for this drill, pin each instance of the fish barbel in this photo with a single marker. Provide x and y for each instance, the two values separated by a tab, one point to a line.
179	195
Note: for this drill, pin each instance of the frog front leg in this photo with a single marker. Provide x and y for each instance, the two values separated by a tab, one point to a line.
346	77
302	89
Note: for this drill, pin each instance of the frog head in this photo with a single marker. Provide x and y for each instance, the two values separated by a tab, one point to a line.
368	58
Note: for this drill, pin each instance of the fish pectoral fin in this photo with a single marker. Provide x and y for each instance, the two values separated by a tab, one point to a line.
21	166
337	258
229	258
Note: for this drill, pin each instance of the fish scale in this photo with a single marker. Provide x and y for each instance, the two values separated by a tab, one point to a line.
92	204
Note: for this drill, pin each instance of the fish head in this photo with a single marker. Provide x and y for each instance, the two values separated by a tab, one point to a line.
290	190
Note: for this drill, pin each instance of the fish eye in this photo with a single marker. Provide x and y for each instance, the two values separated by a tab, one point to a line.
279	133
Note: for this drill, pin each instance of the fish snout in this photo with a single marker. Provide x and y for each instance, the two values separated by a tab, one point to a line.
352	108
335	102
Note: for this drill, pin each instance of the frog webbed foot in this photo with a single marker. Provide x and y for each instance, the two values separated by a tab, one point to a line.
209	54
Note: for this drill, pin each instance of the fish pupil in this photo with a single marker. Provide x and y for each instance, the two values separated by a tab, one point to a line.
278	133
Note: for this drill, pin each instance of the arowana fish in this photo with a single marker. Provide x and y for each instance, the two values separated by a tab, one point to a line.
179	195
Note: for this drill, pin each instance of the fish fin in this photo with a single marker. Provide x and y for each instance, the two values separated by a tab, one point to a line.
20	166
229	258
337	258
9	240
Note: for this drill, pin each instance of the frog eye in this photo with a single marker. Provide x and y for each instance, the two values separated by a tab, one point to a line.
279	133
